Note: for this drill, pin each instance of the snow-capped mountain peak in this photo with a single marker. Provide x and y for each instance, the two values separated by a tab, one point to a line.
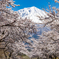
32	13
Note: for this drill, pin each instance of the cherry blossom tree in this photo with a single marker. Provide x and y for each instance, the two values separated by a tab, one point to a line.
15	33
13	30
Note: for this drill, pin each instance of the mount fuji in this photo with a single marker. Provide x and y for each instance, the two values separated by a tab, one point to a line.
32	13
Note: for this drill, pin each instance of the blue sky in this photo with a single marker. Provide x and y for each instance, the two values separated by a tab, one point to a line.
37	3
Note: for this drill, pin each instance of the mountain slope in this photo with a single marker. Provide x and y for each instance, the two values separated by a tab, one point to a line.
32	13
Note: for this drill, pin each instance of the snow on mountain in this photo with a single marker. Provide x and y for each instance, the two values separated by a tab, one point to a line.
32	13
